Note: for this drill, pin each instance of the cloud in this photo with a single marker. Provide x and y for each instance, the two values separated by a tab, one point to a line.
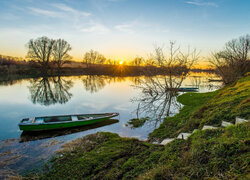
128	28
165	30
199	3
94	27
9	16
69	9
44	12
80	20
61	13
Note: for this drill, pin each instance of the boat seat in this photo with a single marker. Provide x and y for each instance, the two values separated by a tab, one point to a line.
74	118
57	118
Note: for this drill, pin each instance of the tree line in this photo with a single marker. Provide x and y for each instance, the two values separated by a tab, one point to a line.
231	63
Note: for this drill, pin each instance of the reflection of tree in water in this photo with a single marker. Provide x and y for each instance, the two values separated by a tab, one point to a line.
47	91
157	99
137	80
196	81
93	83
203	82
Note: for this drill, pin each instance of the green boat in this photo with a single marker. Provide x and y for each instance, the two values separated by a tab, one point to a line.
60	122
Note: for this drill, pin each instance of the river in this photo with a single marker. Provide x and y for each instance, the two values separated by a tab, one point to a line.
46	96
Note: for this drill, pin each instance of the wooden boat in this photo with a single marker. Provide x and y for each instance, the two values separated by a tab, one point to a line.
64	121
188	89
183	89
37	135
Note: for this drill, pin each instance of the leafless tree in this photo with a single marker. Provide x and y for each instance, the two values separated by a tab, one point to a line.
40	50
137	61
60	52
175	63
93	57
234	61
158	93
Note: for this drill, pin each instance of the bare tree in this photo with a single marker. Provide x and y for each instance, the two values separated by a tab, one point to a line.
175	63
93	57
40	50
234	61
137	61
158	93
60	52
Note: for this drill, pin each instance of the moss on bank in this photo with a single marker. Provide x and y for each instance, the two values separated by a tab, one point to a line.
210	154
222	153
207	109
104	156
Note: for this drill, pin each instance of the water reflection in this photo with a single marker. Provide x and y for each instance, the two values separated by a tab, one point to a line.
52	90
201	82
157	99
31	136
93	83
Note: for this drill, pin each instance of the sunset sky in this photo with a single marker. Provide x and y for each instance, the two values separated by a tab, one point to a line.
122	29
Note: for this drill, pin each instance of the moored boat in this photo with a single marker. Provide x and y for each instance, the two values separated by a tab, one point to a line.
188	89
63	121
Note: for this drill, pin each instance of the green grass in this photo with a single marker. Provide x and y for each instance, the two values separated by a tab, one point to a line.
104	156
222	153
210	154
137	122
207	109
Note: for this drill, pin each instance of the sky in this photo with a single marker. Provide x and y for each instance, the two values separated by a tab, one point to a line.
123	29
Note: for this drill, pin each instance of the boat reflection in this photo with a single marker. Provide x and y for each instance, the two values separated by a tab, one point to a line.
32	136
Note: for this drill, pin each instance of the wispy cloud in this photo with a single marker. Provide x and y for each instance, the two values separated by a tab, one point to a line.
69	9
80	20
126	27
201	3
61	12
94	27
44	12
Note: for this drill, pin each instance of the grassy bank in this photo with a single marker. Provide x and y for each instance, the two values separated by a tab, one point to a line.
207	109
221	153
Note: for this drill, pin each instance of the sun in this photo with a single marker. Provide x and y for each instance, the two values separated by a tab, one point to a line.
121	62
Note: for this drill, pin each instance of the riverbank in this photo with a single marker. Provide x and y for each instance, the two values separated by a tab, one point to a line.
33	69
221	153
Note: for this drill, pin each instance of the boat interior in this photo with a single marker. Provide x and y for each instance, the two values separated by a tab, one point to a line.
62	118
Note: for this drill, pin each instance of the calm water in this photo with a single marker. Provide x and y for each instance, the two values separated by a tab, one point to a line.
78	95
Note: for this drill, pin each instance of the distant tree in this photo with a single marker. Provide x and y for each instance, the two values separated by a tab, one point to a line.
149	62
93	57
60	52
109	61
40	50
234	61
138	61
174	59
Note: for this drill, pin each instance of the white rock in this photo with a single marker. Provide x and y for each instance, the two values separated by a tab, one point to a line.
166	141
225	124
155	142
195	130
183	135
240	120
209	127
